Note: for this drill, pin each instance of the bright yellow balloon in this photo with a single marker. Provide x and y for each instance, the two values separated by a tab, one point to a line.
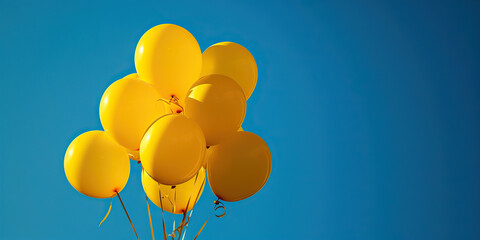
96	165
232	60
168	56
218	105
175	197
173	149
128	107
239	167
132	75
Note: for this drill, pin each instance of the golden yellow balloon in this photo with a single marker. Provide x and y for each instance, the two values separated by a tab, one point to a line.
96	165
239	167
173	149
174	200
218	105
132	75
240	129
128	107
168	56
232	60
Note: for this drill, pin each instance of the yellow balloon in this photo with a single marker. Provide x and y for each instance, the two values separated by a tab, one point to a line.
96	165
174	200
218	105
168	56
128	107
240	129
239	167
173	149
232	60
132	75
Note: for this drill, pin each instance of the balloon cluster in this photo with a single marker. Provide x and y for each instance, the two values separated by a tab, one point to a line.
180	117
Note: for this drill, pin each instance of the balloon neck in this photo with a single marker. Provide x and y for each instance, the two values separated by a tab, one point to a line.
174	104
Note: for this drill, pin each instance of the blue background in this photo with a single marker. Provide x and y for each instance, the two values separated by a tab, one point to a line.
371	110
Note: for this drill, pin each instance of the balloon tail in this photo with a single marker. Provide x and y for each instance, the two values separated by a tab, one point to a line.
130	220
150	218
108	213
219	205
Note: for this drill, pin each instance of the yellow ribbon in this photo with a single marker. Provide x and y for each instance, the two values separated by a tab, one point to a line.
219	205
150	218
108	213
130	220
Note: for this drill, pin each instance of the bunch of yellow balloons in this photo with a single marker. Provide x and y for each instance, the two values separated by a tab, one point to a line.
180	116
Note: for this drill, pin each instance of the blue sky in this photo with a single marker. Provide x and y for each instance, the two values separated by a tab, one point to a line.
370	108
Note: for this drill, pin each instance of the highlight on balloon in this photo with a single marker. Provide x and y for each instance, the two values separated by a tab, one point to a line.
180	116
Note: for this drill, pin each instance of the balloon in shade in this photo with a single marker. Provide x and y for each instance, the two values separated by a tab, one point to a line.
240	129
175	200
232	60
173	149
218	105
128	107
96	165
168	57
239	167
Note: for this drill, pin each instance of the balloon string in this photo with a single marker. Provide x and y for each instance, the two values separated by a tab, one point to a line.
150	218
182	224
118	194
108	213
163	217
186	226
219	205
201	229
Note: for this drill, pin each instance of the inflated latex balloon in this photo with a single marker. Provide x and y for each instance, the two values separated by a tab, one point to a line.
173	149
169	57
132	75
239	167
128	107
174	200
232	60
218	105
96	165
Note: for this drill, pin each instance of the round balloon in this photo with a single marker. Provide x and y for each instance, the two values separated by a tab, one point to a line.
207	152
232	60
218	105
169	57
96	165
173	149
128	107
175	199
239	167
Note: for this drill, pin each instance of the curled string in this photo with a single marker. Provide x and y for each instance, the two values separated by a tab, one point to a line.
108	213
150	218
130	220
219	205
